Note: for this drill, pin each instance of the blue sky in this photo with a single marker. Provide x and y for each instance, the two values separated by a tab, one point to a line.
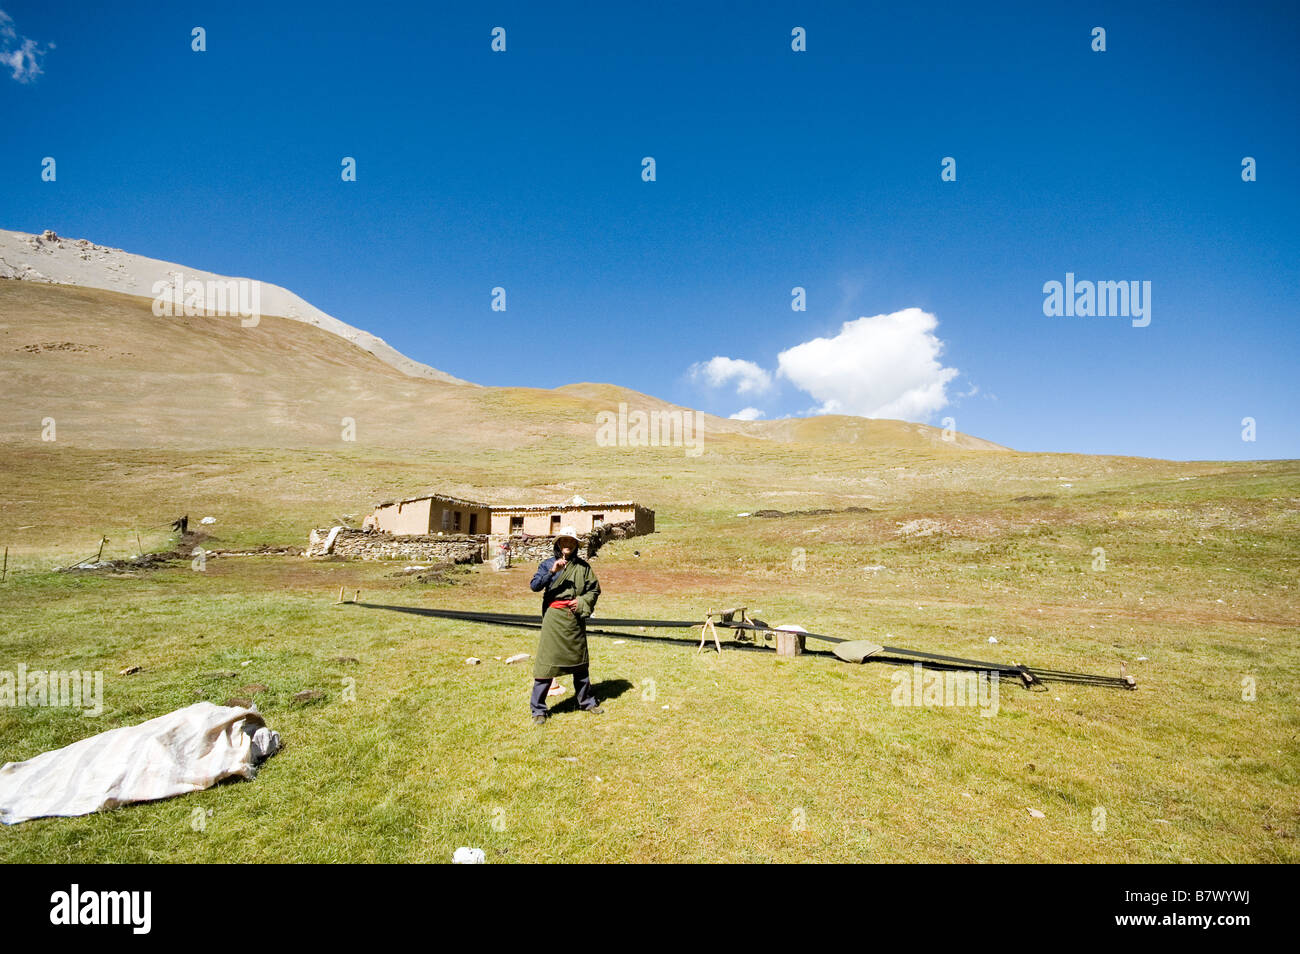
774	169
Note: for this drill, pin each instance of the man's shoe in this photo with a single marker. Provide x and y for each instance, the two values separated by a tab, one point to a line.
595	710
539	720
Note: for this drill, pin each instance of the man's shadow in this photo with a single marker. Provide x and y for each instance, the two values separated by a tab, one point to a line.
606	690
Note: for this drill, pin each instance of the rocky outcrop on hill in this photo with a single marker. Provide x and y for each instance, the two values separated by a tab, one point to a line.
53	259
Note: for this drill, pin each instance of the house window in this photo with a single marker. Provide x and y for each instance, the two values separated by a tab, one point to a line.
597	520
517	524
446	520
555	524
473	523
455	520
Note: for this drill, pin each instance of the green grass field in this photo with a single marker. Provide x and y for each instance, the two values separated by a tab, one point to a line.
745	756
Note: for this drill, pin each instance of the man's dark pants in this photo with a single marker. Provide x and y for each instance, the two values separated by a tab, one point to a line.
581	687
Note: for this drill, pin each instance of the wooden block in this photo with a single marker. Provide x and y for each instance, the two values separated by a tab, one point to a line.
789	643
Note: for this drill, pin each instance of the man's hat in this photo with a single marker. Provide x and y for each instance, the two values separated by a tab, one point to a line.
567	533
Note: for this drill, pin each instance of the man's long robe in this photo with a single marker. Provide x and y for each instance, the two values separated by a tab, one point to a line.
562	646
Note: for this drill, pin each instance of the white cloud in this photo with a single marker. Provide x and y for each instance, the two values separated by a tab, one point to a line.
720	371
21	54
883	366
747	414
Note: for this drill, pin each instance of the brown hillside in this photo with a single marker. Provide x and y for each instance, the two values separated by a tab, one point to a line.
112	375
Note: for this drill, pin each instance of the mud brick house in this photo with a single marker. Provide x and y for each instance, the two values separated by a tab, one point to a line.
431	514
545	520
440	515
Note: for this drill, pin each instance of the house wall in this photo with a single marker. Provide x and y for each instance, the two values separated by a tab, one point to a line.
444	514
535	524
418	517
538	523
403	519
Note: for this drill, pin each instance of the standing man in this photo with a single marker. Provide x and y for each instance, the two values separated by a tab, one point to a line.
570	590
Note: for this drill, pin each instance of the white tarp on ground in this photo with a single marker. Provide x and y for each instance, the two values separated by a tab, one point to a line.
184	751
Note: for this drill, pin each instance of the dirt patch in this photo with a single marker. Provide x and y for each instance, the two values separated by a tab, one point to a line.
447	574
923	527
628	579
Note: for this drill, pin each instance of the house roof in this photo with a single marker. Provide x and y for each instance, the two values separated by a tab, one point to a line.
559	508
442	497
567	505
